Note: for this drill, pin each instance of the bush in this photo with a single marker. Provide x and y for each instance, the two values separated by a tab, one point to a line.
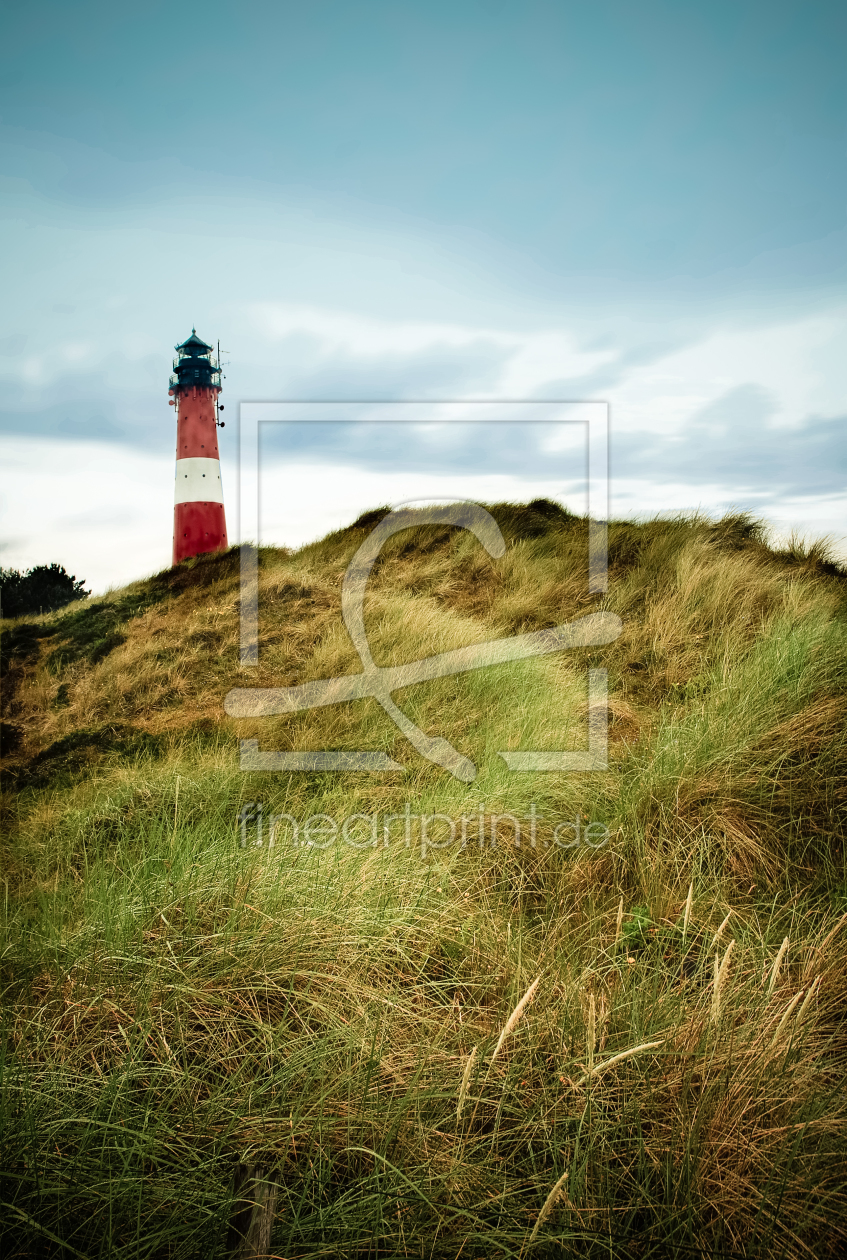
41	589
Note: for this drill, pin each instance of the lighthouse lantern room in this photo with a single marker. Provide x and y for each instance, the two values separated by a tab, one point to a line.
199	519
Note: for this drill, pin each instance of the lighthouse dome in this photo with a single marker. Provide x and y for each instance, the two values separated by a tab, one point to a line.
194	346
194	366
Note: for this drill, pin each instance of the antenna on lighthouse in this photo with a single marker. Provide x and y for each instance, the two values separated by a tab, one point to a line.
199	518
219	405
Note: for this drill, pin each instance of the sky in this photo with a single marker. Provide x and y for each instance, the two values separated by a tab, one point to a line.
641	204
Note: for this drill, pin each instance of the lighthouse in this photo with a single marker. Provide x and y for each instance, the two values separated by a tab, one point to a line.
199	520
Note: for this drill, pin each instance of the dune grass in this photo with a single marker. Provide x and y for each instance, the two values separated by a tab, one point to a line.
439	1050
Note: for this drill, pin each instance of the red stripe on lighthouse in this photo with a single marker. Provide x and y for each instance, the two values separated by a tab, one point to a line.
197	433
198	527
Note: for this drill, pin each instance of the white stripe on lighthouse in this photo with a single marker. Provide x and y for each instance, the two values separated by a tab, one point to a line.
198	481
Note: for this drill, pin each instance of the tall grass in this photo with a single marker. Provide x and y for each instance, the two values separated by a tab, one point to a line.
479	1051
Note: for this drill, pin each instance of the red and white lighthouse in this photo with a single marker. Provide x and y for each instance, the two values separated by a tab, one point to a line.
199	520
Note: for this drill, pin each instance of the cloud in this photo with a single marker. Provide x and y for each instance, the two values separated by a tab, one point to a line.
734	442
473	442
89	427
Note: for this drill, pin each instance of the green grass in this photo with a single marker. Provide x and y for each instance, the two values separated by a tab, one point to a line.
173	1003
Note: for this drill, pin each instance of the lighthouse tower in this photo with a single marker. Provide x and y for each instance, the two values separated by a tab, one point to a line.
199	520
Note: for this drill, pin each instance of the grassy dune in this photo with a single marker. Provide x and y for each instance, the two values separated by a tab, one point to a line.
440	1050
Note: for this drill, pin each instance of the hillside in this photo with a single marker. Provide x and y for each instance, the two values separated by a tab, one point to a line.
338	1013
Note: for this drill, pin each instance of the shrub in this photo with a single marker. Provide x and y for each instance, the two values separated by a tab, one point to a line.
41	589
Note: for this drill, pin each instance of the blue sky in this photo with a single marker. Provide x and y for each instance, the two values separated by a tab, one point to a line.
641	203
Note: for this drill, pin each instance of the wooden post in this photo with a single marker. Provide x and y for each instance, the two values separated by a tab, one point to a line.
253	1212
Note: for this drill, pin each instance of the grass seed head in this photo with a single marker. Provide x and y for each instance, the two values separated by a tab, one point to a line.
463	1088
720	981
774	973
687	915
515	1016
549	1204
